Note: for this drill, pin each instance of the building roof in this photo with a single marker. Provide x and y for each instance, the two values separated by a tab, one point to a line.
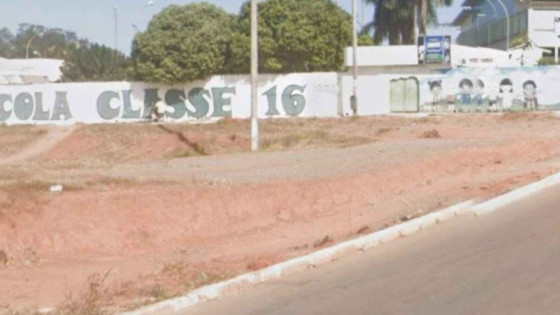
407	55
466	12
463	15
22	71
469	4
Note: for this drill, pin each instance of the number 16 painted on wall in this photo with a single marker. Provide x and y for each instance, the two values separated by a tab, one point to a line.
293	100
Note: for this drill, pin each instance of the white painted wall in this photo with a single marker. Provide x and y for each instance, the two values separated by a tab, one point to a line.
316	93
407	55
546	79
383	55
541	27
373	94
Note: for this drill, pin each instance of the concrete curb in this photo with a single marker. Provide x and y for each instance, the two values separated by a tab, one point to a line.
515	195
217	290
362	243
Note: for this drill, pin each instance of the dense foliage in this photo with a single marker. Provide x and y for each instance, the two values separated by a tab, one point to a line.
298	36
183	43
84	61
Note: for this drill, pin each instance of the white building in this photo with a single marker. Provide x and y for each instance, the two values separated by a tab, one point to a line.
484	23
404	59
28	71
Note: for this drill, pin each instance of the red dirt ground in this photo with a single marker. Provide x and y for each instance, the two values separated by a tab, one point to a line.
164	210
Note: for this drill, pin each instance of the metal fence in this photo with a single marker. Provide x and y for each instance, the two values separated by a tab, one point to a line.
491	32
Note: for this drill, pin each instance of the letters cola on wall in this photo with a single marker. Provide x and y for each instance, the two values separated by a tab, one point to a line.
218	97
492	89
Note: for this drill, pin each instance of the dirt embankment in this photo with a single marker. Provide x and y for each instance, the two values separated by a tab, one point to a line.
164	209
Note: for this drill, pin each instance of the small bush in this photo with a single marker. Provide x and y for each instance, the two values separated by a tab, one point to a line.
431	134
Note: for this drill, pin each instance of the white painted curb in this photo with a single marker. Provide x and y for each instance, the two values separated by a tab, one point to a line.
217	290
515	195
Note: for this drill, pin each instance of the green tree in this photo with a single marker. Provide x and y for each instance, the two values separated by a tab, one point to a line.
182	44
94	62
6	43
365	40
83	61
43	42
295	36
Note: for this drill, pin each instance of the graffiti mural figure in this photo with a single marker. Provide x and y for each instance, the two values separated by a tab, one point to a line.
435	89
530	93
505	95
465	98
480	98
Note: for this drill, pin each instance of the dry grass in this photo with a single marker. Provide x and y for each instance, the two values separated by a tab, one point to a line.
232	136
431	134
37	189
111	182
89	302
311	139
528	116
13	138
205	278
382	131
34	187
176	278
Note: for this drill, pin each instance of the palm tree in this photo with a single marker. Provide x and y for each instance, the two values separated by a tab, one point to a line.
428	13
395	20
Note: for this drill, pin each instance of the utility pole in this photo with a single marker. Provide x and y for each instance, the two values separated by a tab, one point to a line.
254	77
354	98
116	29
28	45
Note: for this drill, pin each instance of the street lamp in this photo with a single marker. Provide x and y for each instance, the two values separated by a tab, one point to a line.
507	22
29	44
254	77
135	18
487	24
478	16
116	9
354	97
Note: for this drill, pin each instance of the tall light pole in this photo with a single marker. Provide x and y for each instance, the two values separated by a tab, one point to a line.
28	45
487	24
116	9
507	22
254	77
354	98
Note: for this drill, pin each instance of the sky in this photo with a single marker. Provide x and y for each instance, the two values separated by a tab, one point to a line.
95	19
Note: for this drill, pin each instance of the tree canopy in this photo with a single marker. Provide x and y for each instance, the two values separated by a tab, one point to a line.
183	43
94	62
299	36
84	61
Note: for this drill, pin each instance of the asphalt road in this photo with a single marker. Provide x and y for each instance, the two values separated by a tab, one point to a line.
507	262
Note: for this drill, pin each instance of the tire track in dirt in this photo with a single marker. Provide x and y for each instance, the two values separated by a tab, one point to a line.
55	135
